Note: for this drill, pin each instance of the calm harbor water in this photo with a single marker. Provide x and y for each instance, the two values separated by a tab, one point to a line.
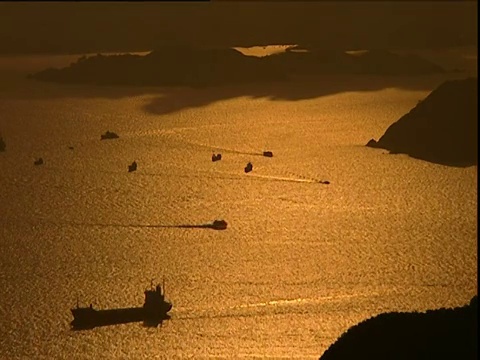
300	262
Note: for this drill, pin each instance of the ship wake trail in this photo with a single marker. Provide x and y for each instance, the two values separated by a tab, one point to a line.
280	306
223	149
288	179
200	175
237	177
133	226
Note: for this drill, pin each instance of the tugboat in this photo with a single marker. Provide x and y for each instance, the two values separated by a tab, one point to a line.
154	310
109	135
216	157
132	166
249	167
267	154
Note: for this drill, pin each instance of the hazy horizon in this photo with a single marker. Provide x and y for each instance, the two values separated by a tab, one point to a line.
100	27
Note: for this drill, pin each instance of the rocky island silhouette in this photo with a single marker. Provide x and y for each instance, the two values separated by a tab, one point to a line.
188	66
442	128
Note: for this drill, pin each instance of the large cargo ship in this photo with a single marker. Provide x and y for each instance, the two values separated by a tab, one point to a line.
154	310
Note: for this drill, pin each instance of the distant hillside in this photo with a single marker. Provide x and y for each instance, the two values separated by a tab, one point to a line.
436	334
443	128
176	66
183	66
312	61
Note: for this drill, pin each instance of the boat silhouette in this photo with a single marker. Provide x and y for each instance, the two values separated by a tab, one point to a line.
153	312
109	135
268	154
39	161
215	225
216	157
3	146
219	225
249	167
132	166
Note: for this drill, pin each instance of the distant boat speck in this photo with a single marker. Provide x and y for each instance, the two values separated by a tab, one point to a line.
132	166
109	135
39	161
216	157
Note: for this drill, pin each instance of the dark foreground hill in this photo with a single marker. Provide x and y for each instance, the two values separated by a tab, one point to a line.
443	128
183	66
436	334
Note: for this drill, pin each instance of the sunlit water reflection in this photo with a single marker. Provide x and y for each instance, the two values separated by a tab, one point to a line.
300	261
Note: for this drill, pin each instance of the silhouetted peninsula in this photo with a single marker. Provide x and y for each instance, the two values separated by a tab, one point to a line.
441	129
436	334
185	66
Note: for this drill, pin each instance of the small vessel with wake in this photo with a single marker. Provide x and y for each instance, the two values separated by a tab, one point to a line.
219	225
154	310
268	154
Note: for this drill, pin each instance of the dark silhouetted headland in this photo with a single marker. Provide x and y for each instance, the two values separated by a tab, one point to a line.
186	66
441	129
436	334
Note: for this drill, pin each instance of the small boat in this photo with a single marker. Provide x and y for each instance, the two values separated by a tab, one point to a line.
219	225
70	147
249	167
154	310
39	161
216	157
132	166
109	135
3	146
268	154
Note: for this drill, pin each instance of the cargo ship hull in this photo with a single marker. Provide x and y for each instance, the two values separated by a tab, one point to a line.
152	313
86	318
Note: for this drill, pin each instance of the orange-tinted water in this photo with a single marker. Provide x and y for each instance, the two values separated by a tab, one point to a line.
299	263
